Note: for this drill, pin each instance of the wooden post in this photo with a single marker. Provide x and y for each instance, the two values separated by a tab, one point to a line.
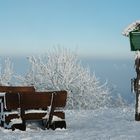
137	88
51	111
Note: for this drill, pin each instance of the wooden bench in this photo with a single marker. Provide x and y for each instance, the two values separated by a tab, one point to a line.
43	106
9	111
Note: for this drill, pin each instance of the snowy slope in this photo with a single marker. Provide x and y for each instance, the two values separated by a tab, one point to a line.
102	124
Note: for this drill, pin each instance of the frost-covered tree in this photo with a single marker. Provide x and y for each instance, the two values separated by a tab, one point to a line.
6	72
60	69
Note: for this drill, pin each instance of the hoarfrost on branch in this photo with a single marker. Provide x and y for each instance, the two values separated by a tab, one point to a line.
60	69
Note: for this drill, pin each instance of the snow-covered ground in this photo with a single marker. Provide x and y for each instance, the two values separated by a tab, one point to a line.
101	124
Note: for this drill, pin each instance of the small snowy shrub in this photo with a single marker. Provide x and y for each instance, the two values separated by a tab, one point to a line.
6	72
60	69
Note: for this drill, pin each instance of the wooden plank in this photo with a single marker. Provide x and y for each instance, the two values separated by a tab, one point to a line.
12	101
42	100
59	114
24	89
35	101
60	98
33	116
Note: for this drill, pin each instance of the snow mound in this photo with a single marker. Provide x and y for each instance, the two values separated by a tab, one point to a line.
133	26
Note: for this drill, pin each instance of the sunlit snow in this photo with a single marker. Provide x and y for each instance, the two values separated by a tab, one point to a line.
101	124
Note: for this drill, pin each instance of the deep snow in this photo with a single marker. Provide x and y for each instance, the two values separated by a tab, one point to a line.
101	124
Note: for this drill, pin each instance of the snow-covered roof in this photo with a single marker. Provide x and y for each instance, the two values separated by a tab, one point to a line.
133	26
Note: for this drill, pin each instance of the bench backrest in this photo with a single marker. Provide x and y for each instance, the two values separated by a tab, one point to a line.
24	89
35	100
60	98
12	101
43	99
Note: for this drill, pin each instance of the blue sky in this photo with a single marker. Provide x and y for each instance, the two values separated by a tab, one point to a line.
93	27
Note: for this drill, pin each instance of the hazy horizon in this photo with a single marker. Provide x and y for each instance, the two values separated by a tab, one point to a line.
118	73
